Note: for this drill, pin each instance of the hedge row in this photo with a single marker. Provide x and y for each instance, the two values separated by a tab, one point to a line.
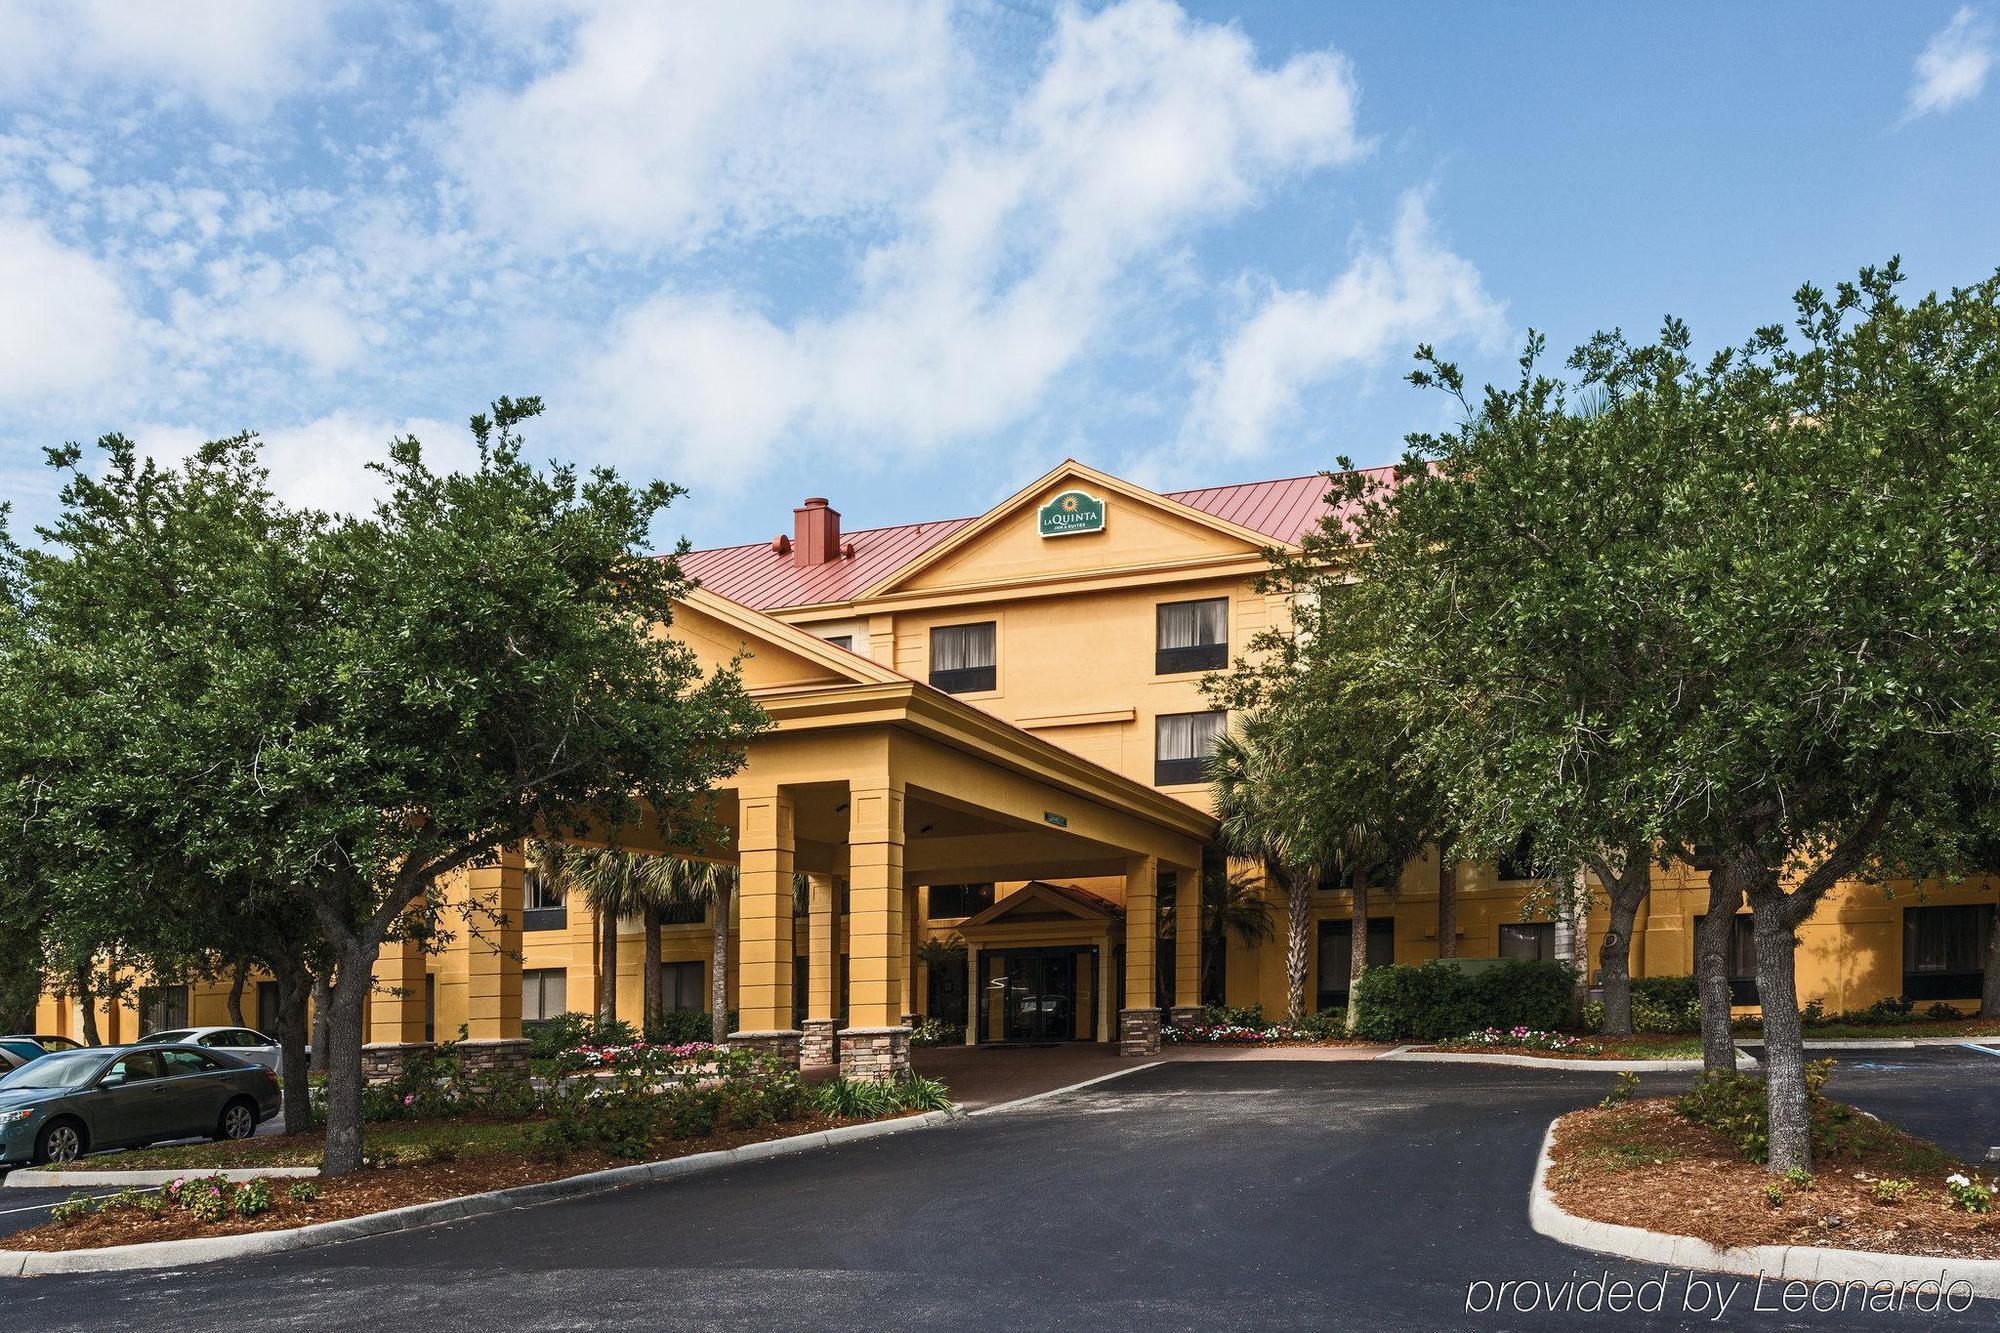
1436	1000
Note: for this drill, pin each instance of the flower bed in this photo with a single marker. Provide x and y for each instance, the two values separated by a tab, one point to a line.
635	1054
1229	1034
584	1121
1645	1163
1533	1041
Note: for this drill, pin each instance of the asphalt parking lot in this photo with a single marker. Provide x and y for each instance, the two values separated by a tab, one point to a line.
1360	1195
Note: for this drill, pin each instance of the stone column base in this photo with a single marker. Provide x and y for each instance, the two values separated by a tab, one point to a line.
1138	1032
816	1042
911	1020
494	1055
1182	1015
783	1043
382	1061
880	1055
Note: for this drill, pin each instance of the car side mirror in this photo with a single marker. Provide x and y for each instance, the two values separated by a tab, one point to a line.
111	1081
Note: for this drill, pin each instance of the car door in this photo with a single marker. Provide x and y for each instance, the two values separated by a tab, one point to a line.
257	1048
195	1091
128	1103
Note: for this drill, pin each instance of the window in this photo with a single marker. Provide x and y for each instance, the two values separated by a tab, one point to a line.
188	1062
1193	636
1336	955
962	658
1182	742
267	1006
1742	958
545	908
1381	872
841	641
681	984
956	900
1520	863
162	1008
134	1067
430	1006
1944	951
544	993
1534	941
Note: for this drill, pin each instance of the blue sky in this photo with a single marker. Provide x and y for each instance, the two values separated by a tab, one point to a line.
909	257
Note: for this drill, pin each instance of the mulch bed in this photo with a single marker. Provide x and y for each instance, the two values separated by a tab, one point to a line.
1641	1047
375	1190
1643	1165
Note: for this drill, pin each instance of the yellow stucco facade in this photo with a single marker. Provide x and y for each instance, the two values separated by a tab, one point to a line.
890	772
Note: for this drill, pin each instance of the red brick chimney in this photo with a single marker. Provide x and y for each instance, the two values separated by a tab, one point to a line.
815	534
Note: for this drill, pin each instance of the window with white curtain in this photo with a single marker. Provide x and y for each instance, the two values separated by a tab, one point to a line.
1181	746
963	657
1193	636
544	993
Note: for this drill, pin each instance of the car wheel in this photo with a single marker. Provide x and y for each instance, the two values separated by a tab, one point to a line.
239	1121
59	1141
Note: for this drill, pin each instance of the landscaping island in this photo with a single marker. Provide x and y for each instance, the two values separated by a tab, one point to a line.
434	1133
1692	1165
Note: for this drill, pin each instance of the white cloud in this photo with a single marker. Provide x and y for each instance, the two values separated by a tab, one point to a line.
667	123
1953	66
1382	303
236	56
66	326
322	464
1008	267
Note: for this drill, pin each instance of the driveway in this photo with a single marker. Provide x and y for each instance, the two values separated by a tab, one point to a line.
1199	1195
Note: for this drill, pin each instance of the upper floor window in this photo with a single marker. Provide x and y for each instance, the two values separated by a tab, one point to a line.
962	658
1181	745
841	641
1522	862
542	903
1193	636
957	900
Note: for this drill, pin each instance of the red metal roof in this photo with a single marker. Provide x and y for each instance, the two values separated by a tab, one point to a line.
1283	510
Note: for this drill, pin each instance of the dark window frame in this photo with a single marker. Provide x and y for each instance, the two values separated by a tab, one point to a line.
1949	979
1381	931
542	907
1179	771
1544	937
1199	656
975	679
541	976
1742	958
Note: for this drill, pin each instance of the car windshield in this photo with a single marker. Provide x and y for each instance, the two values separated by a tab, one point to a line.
22	1047
64	1069
158	1038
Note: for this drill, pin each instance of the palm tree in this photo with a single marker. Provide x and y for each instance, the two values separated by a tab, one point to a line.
1233	906
693	883
617	883
1264	817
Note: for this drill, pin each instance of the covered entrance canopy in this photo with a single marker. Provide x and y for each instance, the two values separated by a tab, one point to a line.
880	780
1041	965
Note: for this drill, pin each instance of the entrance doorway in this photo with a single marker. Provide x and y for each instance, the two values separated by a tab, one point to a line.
1038	995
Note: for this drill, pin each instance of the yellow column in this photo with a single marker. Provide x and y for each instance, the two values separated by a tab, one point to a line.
875	1043
1139	1020
765	953
398	1013
493	957
911	925
1187	943
822	951
971	995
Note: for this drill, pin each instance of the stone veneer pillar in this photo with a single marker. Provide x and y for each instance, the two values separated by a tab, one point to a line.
1138	1032
816	1043
880	1055
783	1043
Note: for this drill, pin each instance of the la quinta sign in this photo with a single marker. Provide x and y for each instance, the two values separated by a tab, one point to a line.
1069	514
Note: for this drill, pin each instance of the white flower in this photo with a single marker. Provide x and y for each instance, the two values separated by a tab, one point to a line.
1957	1178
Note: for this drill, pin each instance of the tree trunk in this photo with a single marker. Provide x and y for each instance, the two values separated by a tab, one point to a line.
347	1002
1784	1037
240	975
1989	994
1711	969
1447	905
294	1027
1614	951
718	966
656	996
1298	943
322	1008
607	966
1357	951
87	1006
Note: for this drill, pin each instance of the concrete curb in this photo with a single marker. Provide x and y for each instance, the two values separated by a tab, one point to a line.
1803	1263
1548	1062
208	1249
1019	1102
58	1180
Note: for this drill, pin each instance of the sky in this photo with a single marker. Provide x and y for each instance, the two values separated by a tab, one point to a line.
910	256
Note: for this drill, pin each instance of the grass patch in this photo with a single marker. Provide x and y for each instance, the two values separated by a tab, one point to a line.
384	1141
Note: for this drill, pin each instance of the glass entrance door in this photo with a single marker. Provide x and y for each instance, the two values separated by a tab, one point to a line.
1031	995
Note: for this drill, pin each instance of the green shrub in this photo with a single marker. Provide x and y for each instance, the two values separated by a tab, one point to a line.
937	1032
72	1210
1437	1000
681	1026
252	1197
1324	1025
1892	1191
1942	1012
1667	1006
917	1093
1226	1015
302	1191
1622	1090
854	1099
1733	1106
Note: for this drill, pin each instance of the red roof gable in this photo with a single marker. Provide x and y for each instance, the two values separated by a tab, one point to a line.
756	576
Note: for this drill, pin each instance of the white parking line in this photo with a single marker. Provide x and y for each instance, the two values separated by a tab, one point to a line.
1983	1050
